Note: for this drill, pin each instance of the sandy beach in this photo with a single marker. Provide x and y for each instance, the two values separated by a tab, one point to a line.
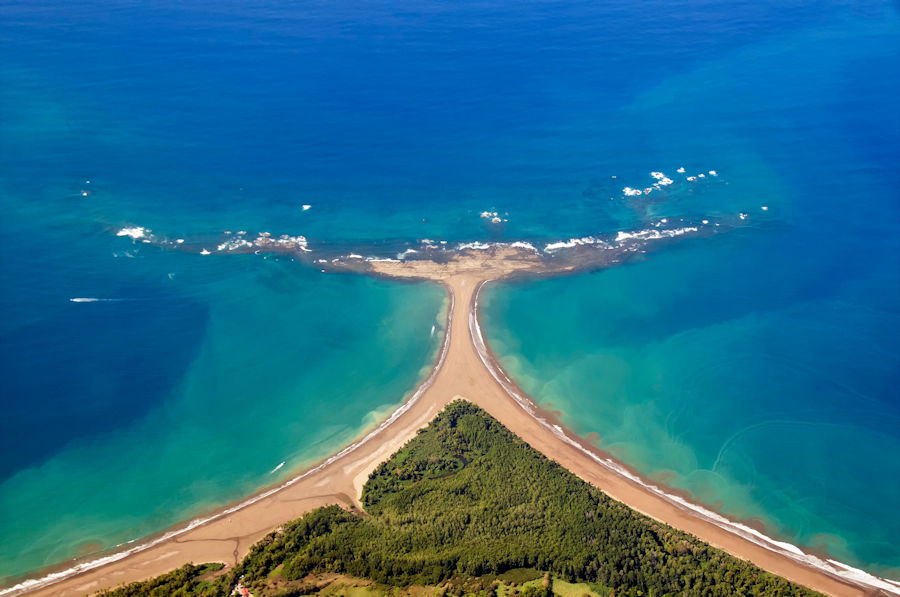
465	369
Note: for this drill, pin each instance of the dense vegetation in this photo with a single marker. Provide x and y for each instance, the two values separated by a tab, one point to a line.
463	504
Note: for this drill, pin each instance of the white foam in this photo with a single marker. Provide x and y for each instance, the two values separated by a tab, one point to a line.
661	179
572	242
652	234
204	252
680	170
712	173
80	299
641	235
135	232
629	192
276	468
265	240
233	244
405	253
477	246
523	245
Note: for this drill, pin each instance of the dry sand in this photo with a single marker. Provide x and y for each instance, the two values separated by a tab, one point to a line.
460	374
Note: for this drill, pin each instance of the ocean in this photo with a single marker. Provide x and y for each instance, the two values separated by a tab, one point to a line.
756	370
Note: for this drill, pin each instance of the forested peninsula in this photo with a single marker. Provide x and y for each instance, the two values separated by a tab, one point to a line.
467	508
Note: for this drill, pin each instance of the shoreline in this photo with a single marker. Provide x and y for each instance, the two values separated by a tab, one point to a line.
465	368
678	498
54	574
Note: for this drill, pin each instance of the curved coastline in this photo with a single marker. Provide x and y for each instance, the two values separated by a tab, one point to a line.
53	578
465	368
831	567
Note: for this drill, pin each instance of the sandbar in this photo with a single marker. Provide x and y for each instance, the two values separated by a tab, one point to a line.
465	369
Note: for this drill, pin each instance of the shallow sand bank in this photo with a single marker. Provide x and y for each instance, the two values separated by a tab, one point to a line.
466	370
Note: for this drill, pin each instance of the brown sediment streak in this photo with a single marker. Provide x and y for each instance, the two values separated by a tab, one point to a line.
466	369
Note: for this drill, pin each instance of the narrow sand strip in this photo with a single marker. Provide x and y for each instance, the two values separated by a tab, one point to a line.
462	371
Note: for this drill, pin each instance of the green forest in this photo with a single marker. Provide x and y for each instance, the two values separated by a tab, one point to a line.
467	508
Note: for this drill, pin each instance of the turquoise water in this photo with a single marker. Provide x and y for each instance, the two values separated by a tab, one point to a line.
769	414
284	367
756	369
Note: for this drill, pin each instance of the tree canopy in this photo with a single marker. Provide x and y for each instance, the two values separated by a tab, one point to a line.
464	503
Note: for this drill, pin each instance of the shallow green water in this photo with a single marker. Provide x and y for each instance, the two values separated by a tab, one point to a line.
291	366
760	405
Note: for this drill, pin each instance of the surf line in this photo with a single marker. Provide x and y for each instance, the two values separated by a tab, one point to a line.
55	577
837	570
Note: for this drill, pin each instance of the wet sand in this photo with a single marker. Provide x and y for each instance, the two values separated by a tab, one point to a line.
461	372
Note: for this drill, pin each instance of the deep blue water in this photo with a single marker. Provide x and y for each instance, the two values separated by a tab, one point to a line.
401	121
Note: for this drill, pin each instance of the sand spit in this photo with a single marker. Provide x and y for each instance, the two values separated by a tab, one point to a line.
465	369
